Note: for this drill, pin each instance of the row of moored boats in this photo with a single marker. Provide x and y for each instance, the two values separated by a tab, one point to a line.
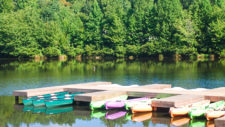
51	100
195	110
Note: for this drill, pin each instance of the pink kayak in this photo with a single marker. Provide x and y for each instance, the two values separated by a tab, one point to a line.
121	104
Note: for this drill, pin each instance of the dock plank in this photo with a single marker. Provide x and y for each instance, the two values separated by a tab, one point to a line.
220	122
98	96
156	86
177	101
53	89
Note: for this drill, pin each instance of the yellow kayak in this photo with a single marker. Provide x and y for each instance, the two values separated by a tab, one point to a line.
139	117
141	108
178	111
214	114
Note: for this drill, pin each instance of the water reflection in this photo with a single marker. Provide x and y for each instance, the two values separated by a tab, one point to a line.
31	74
79	115
140	117
34	74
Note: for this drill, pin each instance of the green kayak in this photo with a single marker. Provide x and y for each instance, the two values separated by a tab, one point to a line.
56	110
28	101
197	113
101	104
59	102
200	112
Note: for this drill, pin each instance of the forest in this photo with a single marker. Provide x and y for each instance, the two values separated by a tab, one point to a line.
111	28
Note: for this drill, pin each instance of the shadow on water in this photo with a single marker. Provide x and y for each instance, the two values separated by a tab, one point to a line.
77	115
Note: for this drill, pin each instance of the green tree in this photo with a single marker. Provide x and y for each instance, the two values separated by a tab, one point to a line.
6	5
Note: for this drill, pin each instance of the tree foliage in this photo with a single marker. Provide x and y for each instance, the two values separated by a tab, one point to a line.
117	28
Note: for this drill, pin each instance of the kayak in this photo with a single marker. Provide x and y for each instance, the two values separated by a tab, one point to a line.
56	110
200	112
122	103
178	111
197	113
112	115
214	114
100	104
41	101
179	121
141	108
216	106
59	102
130	104
114	104
182	111
139	117
28	101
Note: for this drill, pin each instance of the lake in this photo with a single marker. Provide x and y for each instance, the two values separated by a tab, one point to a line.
28	74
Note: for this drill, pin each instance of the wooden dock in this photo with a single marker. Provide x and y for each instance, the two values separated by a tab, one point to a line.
177	101
220	122
97	91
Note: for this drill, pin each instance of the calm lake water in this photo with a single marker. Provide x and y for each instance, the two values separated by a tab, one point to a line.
34	74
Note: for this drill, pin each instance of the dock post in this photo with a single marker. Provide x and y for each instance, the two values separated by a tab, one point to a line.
16	99
154	108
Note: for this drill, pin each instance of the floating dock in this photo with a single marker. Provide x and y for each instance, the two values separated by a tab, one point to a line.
97	91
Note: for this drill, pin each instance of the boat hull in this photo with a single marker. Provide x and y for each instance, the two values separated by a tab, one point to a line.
214	114
101	104
141	108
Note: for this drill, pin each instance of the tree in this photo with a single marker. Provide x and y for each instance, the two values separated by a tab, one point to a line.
6	5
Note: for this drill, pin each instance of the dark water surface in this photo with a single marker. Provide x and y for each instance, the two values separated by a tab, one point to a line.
33	74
